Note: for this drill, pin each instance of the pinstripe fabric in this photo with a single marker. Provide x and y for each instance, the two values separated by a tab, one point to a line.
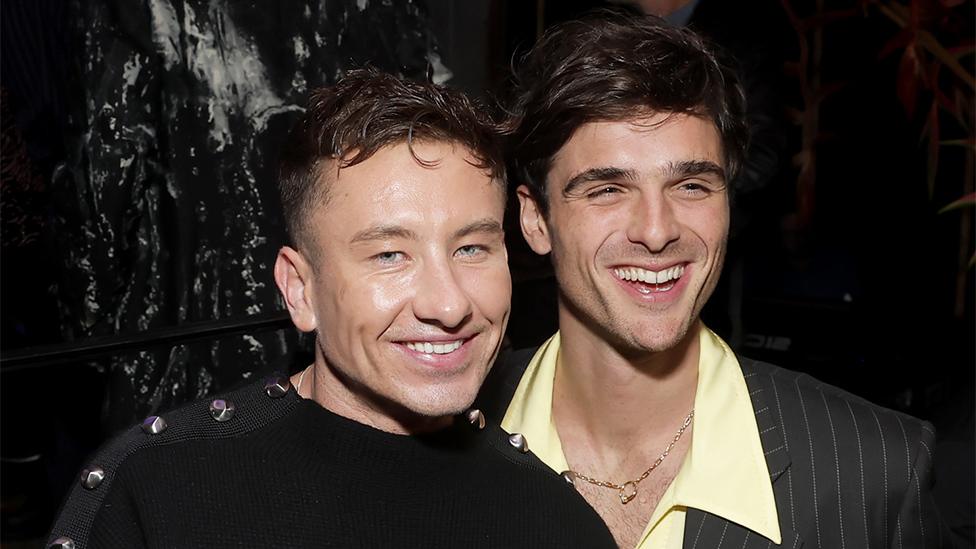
847	474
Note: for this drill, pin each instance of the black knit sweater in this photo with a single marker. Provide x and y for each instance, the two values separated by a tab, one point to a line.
285	472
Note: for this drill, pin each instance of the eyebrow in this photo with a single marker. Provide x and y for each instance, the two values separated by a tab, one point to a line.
674	170
383	232
485	225
604	173
389	232
689	168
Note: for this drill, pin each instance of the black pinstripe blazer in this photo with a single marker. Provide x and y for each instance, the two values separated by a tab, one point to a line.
846	474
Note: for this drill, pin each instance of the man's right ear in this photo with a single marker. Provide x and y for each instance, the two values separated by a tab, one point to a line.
293	275
534	227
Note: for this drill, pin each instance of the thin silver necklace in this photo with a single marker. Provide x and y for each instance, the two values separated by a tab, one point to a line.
301	379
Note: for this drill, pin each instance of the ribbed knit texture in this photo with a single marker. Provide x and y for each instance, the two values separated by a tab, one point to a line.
314	479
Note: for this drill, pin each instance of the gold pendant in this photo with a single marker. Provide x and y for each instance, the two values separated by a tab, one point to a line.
627	494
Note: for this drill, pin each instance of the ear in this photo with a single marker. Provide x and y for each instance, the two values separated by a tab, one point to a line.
294	279
534	227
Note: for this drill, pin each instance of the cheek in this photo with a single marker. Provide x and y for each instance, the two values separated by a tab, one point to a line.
491	290
373	302
717	229
580	237
388	295
710	224
562	233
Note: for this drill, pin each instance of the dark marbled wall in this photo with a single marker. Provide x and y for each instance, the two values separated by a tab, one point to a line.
167	209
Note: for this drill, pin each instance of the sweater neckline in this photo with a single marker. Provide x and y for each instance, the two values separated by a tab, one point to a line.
331	430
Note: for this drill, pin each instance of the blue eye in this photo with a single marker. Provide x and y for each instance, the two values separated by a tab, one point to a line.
388	258
470	250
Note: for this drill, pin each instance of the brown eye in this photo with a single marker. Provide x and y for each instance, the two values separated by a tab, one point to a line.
694	189
603	191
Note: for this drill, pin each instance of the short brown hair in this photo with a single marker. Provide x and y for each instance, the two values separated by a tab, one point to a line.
612	65
365	111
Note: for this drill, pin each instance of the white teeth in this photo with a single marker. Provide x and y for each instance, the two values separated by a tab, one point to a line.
650	277
434	348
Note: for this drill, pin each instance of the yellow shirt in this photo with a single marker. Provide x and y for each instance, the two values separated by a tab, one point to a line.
724	471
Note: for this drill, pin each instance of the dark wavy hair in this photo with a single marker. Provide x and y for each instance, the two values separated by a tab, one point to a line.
613	65
365	111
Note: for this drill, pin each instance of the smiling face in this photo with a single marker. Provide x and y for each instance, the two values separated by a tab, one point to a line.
409	289
637	226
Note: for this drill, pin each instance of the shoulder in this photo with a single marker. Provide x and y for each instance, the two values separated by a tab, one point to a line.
234	414
552	512
826	428
795	394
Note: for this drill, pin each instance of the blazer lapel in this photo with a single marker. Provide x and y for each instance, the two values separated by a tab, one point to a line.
768	419
705	530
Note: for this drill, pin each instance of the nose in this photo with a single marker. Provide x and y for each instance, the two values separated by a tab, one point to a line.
653	223
440	298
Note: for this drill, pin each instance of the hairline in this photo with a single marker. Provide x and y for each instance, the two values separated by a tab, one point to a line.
643	112
320	195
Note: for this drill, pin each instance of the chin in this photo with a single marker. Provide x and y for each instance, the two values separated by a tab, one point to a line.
436	401
652	337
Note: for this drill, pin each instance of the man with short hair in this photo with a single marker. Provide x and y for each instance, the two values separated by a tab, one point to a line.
394	195
625	132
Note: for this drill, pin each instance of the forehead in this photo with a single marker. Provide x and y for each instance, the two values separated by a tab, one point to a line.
427	185
646	144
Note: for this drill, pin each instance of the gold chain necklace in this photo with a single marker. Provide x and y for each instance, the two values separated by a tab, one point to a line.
628	490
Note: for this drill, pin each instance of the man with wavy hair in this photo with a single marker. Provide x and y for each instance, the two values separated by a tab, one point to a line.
625	134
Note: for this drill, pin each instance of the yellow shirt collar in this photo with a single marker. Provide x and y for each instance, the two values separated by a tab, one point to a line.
725	470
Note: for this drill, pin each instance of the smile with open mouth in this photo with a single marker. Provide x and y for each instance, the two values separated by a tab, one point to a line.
438	348
646	281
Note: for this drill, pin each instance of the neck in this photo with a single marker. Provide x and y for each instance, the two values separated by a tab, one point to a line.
613	399
323	384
